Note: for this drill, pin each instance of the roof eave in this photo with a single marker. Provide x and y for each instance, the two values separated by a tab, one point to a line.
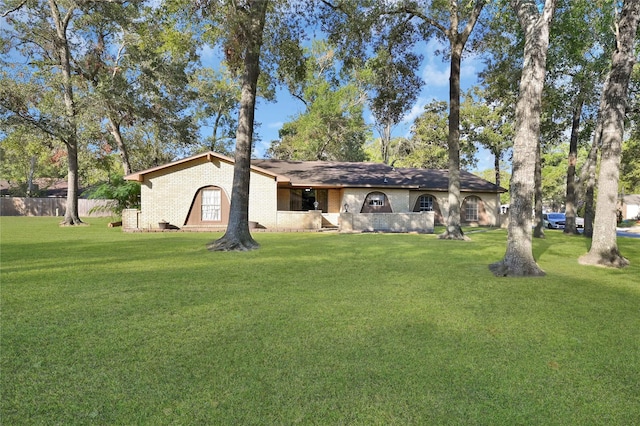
210	156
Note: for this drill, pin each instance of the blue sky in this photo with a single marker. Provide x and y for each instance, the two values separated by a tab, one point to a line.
434	72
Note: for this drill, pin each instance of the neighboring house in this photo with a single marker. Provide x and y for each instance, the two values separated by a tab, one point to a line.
195	193
42	187
629	205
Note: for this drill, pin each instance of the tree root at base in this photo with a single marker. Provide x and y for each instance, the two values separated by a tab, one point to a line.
232	244
71	222
453	236
503	269
610	259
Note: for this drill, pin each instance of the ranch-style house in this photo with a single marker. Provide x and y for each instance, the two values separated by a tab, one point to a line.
195	193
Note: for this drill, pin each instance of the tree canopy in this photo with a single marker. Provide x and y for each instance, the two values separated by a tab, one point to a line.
92	89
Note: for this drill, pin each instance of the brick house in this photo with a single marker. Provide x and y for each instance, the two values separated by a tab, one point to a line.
195	192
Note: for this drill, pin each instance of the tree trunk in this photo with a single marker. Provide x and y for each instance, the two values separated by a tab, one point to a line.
496	165
604	248
114	129
237	236
570	201
385	142
30	175
589	177
538	230
454	231
457	41
518	259
71	216
214	133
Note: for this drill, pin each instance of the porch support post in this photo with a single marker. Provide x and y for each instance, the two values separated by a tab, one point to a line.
345	222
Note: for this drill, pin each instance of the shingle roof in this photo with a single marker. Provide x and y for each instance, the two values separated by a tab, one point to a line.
345	174
341	174
45	187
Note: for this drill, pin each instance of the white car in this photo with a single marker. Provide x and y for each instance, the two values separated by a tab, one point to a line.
558	221
554	220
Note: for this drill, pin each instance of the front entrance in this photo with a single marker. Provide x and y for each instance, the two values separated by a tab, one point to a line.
305	199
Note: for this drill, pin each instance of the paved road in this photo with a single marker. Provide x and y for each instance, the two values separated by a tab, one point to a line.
621	232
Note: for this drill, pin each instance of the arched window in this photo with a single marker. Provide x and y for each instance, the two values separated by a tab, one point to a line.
471	209
428	203
210	206
425	203
376	202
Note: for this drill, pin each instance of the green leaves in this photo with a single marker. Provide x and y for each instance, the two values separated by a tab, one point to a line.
125	193
332	127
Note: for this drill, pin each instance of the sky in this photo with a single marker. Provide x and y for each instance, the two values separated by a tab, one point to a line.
434	72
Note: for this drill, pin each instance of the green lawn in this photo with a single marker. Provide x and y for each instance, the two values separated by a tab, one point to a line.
105	327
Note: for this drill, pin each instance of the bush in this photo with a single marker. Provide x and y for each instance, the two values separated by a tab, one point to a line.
126	194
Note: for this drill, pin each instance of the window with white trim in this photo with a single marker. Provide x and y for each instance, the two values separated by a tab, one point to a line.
471	209
211	204
425	203
376	202
376	199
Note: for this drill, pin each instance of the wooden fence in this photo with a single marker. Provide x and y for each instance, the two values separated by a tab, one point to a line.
21	206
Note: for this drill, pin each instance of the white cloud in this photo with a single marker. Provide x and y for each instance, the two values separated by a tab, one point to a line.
275	125
435	76
416	110
436	71
471	66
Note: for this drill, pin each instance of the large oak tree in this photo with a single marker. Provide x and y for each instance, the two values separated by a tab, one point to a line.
261	41
42	32
604	248
245	36
353	25
518	259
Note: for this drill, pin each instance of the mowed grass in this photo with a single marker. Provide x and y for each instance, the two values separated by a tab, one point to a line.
105	327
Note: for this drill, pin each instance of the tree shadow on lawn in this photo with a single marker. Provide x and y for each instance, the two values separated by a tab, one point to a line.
19	257
540	247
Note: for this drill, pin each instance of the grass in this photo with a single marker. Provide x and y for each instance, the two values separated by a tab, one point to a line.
105	327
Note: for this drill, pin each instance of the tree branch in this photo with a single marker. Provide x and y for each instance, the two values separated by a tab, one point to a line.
29	120
301	99
4	14
417	14
332	6
475	14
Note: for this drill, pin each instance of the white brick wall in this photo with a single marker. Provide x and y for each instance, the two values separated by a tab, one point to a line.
263	200
167	195
402	200
393	222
